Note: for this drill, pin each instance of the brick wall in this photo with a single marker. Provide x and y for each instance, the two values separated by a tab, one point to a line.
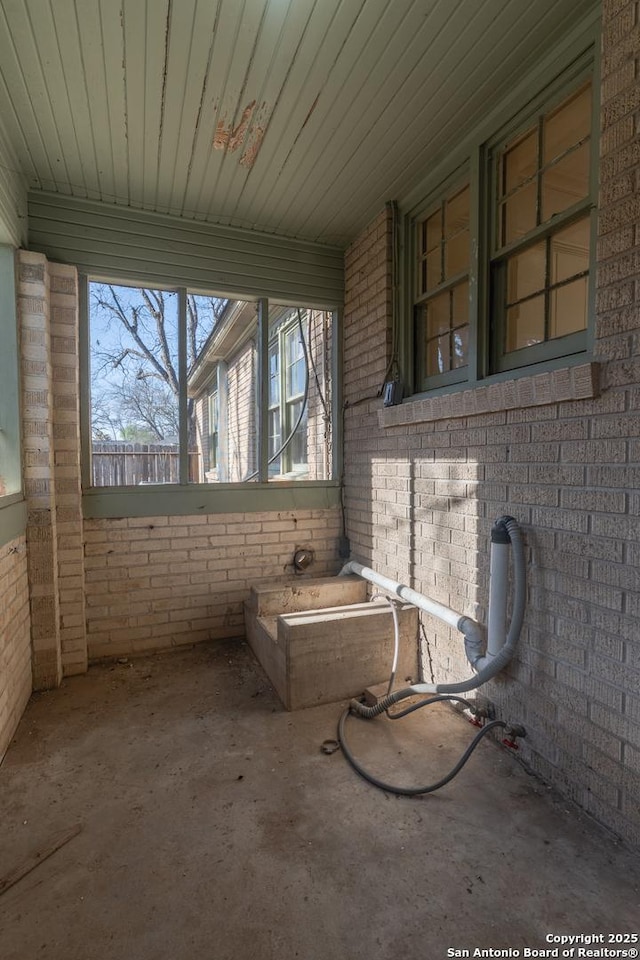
153	583
48	318
421	496
39	482
15	639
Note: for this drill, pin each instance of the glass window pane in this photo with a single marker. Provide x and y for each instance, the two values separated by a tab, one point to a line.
438	315
567	125
134	386
438	356
570	251
305	379
568	312
519	214
225	365
456	213
274	374
460	347
275	440
296	370
566	182
526	273
432	232
456	255
433	270
460	307
525	324
520	161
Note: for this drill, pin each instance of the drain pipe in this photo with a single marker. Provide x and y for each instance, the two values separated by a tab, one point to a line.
505	535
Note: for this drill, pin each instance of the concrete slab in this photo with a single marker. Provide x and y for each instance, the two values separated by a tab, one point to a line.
215	828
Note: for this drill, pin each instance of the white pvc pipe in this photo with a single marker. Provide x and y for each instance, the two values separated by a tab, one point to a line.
405	593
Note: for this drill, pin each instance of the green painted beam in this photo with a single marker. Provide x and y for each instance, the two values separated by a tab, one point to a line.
169	500
13	519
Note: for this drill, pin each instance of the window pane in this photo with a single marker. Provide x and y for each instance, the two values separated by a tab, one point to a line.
456	213
432	270
460	347
568	309
460	309
438	359
570	251
438	315
519	162
456	255
275	441
432	232
274	375
526	273
567	125
134	385
225	365
519	214
296	456
525	324
295	371
566	182
304	377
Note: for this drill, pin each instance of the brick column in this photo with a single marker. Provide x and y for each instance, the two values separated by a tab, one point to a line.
65	391
37	426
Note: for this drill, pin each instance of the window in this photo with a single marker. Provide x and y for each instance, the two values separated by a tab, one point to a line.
176	380
502	273
540	266
442	308
288	394
10	472
143	428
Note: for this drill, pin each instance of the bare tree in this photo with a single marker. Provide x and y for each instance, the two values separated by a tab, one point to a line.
134	358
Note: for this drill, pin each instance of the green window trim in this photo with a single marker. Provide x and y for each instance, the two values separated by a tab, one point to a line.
13	518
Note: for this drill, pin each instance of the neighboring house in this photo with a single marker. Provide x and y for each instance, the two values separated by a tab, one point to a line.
224	386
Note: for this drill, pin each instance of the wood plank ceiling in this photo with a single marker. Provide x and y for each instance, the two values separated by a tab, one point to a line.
298	117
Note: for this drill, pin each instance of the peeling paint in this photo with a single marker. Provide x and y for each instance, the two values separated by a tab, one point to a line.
230	138
248	158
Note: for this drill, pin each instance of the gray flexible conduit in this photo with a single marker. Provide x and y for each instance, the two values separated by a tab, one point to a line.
497	663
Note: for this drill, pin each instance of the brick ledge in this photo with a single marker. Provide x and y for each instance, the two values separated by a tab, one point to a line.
569	383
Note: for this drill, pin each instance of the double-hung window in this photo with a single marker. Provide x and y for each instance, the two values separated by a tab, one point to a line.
542	229
442	307
502	251
288	396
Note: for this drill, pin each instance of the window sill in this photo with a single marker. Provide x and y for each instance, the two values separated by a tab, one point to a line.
175	500
580	382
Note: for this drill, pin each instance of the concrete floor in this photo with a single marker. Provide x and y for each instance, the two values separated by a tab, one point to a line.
213	827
